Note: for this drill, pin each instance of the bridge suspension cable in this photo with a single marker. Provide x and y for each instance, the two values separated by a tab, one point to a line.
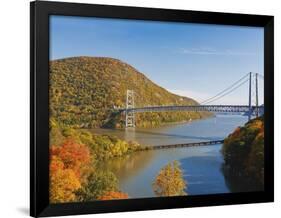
131	108
260	76
228	90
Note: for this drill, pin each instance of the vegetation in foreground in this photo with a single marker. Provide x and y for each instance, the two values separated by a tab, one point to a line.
84	90
170	181
75	177
243	152
100	146
73	158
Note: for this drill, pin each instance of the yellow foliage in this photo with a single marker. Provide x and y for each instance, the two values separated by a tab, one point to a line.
169	181
84	90
63	183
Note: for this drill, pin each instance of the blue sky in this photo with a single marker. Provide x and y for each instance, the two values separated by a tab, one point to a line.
195	60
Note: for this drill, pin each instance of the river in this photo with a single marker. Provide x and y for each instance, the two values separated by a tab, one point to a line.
201	165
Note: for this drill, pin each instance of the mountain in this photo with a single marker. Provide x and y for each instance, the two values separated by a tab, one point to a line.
84	90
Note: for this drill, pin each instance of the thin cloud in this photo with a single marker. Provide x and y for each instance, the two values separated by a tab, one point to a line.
211	51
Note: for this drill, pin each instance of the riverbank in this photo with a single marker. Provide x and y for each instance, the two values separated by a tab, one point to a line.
201	165
135	171
243	152
74	156
167	124
199	130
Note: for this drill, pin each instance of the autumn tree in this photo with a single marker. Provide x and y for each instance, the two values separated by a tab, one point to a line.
74	156
73	176
169	181
255	162
99	183
69	165
63	182
243	152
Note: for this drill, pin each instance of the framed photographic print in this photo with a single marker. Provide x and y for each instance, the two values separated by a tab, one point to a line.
141	109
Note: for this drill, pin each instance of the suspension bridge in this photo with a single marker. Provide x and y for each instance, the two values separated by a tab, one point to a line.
251	109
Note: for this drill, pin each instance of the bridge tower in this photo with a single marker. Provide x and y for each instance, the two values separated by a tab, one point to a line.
250	96
130	103
255	94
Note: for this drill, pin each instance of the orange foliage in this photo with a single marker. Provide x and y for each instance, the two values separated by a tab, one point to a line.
236	132
56	164
63	182
112	195
74	156
67	167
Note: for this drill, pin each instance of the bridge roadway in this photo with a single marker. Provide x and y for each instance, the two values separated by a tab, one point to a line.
210	108
192	144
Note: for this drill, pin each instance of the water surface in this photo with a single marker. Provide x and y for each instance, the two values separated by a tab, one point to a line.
201	165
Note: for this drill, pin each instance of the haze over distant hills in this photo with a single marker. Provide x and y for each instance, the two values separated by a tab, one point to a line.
83	90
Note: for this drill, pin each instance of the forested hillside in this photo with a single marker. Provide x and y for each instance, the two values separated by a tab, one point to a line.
243	152
84	90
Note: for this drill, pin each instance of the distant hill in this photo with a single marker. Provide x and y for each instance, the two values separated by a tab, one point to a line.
83	90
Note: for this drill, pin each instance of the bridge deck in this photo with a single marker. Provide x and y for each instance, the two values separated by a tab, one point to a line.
192	144
210	108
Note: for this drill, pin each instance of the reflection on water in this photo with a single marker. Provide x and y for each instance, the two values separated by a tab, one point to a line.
214	128
129	165
201	165
239	182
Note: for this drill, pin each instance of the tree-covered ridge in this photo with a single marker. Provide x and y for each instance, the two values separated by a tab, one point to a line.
84	90
243	151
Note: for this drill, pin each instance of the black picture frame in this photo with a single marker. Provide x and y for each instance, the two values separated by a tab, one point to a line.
39	107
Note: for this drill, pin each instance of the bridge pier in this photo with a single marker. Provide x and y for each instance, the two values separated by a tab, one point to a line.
130	115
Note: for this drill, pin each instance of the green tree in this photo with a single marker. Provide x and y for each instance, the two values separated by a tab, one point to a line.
99	183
